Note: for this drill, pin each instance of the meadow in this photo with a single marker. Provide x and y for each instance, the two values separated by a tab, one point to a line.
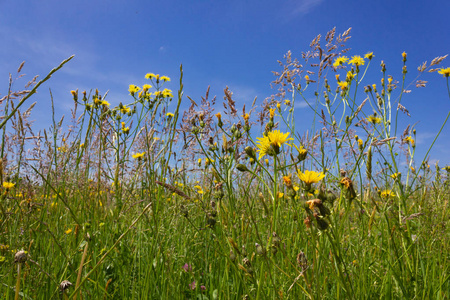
221	201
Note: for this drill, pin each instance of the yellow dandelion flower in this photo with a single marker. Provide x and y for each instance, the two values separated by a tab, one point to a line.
343	85
404	55
150	76
350	75
287	102
386	194
310	176
138	156
68	231
167	93
356	60
125	109
445	72
165	78
104	103
373	119
288	180
280	195
340	60
8	185
170	115
199	189
246	117
263	145
396	175
133	89
369	55
409	140
272	112
278	138
146	87
218	116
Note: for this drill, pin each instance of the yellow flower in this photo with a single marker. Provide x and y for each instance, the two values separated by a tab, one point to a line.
104	103
280	195
386	194
373	119
409	140
246	117
445	72
357	60
199	189
272	112
369	55
396	175
138	156
302	152
8	185
343	85
165	78
263	145
310	176
125	109
350	75
68	231
404	56
287	180
278	105
287	102
150	76
340	60
219	116
146	87
278	138
167	93
170	115
133	89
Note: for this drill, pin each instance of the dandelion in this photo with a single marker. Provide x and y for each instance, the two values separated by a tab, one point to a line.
288	180
287	102
356	60
263	145
165	78
167	93
445	72
302	152
68	231
8	185
369	55
170	115
199	189
340	60
343	85
373	119
246	117
138	156
310	177
272	112
280	195
133	89
350	75
278	138
386	194
125	109
396	175
146	87
104	103
150	76
410	141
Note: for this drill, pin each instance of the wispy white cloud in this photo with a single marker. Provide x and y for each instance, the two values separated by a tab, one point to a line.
301	7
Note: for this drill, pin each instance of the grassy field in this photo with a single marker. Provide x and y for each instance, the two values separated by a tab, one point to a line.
222	201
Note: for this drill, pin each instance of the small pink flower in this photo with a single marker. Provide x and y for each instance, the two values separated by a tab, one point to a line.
193	285
187	267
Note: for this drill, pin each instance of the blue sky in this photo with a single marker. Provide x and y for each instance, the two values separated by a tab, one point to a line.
220	43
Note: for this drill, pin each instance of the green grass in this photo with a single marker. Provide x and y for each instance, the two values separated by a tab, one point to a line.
198	214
